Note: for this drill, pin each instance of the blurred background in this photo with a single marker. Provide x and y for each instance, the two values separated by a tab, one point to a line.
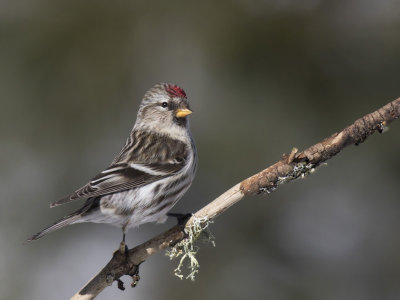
262	76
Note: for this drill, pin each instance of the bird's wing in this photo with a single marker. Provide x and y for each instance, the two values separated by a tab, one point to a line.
120	177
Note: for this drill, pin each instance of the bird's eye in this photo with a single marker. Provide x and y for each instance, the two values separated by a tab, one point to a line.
164	104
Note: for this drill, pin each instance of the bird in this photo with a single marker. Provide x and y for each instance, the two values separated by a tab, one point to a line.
154	169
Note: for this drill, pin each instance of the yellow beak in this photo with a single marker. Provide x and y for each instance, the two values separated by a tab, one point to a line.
182	112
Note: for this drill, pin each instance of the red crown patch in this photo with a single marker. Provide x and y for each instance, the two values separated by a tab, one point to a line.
175	91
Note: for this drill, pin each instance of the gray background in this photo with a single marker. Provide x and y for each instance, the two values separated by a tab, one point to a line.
262	77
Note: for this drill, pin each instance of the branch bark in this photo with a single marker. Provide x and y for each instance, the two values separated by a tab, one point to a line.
290	167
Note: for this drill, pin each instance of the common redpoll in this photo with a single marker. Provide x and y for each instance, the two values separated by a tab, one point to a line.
152	172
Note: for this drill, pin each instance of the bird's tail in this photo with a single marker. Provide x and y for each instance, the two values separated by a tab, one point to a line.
72	218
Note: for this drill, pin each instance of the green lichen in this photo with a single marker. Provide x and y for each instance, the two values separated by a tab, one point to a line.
186	249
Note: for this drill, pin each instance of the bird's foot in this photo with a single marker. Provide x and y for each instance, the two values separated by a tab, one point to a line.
182	218
135	277
121	284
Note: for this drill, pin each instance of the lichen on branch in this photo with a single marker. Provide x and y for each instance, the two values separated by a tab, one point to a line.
186	249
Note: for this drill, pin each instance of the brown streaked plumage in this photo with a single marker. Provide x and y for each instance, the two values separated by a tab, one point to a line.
149	175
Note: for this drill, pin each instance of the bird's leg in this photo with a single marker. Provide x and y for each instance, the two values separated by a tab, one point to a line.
182	218
123	248
122	251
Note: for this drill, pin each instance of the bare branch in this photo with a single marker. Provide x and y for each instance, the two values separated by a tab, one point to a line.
288	168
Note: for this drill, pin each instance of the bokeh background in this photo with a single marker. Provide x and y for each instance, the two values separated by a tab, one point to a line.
262	77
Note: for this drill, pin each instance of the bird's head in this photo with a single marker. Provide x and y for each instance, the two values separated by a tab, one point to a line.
164	109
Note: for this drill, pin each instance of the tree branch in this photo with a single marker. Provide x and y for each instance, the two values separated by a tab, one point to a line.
288	168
